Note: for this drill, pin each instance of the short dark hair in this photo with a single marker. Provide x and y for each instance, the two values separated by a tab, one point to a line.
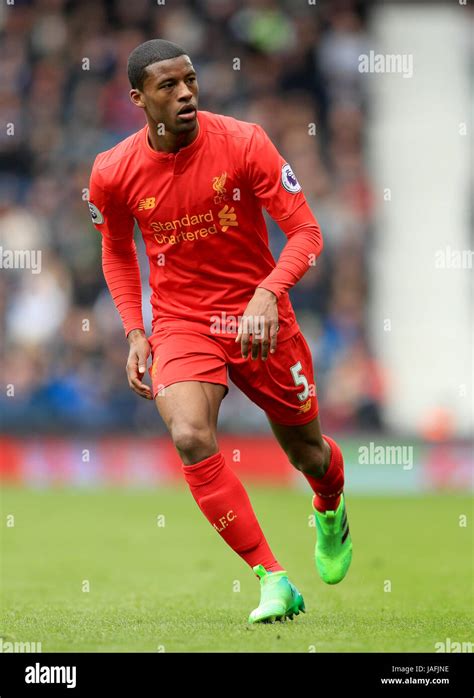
147	53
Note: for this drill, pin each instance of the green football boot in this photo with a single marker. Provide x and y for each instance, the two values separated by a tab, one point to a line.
279	598
333	552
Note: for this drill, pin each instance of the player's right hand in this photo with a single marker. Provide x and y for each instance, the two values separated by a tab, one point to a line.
136	365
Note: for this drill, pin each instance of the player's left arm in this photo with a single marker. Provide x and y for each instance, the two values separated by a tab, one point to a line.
279	192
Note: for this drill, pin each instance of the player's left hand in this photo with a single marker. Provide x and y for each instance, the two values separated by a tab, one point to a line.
260	320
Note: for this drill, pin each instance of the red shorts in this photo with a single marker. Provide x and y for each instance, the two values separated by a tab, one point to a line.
283	385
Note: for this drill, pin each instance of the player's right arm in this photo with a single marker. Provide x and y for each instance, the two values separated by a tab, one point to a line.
122	274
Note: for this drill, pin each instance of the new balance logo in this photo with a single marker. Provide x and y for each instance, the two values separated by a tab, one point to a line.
145	204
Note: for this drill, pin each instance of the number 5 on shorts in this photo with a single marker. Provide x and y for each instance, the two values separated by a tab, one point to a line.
300	379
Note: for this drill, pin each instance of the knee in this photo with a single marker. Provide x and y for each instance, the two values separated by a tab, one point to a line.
310	458
194	443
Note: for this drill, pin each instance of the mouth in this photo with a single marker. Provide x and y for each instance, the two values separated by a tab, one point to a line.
187	113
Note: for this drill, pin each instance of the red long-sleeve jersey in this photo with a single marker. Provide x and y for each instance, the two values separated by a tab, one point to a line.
200	213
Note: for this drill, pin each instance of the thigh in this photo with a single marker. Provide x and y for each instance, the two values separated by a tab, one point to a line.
193	403
283	385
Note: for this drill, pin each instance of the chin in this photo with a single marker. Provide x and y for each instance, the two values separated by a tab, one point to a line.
187	126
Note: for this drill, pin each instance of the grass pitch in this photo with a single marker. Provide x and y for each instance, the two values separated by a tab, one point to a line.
117	571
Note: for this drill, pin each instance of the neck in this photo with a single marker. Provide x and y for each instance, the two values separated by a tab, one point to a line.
170	142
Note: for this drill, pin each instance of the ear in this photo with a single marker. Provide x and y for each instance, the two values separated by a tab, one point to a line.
137	98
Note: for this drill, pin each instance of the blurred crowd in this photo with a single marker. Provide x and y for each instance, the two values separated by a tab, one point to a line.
64	98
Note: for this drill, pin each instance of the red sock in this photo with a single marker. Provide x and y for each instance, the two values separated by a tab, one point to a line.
224	502
328	489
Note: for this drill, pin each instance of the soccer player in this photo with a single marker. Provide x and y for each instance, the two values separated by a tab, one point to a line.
196	183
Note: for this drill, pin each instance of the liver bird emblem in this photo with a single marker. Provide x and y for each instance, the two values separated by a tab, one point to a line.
218	186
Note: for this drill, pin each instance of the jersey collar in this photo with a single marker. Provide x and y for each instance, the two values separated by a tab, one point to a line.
183	153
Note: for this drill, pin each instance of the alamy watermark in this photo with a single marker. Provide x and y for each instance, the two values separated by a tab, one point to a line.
21	259
450	258
386	455
39	673
230	324
452	646
401	63
8	647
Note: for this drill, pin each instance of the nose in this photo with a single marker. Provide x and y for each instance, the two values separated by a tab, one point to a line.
184	93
